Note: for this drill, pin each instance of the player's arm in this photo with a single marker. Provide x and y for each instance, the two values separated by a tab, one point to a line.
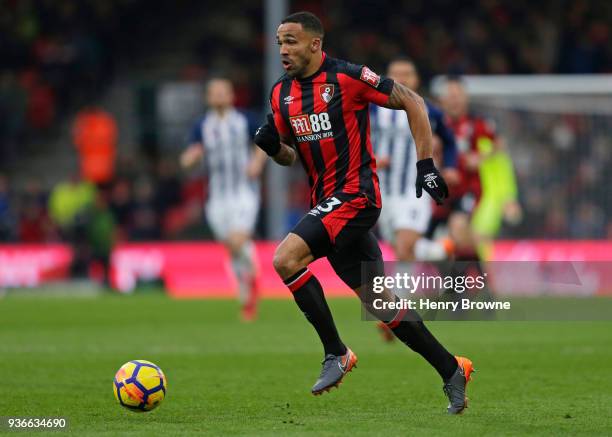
274	145
405	99
428	176
286	156
446	135
257	163
192	155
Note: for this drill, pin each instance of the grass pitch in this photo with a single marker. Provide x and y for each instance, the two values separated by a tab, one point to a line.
58	357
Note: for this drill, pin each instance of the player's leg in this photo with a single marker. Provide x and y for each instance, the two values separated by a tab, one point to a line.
349	264
411	245
223	220
461	233
356	245
411	217
405	243
239	242
408	328
303	245
466	240
486	223
407	221
316	235
242	253
217	216
291	262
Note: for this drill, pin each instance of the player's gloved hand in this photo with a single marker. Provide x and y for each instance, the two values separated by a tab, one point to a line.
430	180
266	137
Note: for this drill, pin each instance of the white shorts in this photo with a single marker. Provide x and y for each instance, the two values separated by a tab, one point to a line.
233	214
404	212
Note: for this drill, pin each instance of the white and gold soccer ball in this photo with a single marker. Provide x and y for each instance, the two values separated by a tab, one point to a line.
140	385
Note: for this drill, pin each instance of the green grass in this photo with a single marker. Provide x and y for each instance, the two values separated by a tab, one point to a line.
58	357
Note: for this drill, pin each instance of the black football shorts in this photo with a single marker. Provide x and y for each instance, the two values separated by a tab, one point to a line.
339	228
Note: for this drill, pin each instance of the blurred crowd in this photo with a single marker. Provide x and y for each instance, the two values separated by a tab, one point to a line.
56	56
442	36
139	203
562	162
473	36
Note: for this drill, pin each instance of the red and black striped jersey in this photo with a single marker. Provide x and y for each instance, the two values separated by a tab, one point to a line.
326	116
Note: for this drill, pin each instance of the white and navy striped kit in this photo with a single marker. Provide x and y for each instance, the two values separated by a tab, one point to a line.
233	198
227	150
392	138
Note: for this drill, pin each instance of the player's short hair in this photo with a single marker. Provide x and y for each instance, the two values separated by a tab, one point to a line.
218	78
309	21
455	78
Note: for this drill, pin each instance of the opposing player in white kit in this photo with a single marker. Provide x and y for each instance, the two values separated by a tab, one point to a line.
221	138
404	217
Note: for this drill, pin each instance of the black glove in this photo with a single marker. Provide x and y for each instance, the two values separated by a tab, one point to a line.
430	179
266	137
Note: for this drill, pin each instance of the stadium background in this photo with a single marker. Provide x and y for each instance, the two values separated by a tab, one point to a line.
61	60
63	333
145	66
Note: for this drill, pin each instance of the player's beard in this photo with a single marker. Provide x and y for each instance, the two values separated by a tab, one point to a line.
299	67
295	71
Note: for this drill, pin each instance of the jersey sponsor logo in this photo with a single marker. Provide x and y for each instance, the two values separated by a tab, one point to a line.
300	125
315	137
326	91
368	76
288	100
313	127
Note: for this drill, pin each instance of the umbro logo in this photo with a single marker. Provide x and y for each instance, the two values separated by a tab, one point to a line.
288	99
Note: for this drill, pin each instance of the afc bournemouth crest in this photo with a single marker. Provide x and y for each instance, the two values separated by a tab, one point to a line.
326	91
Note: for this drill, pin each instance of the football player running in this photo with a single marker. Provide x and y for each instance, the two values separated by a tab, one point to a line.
320	113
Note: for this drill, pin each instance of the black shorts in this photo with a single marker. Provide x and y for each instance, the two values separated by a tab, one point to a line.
339	228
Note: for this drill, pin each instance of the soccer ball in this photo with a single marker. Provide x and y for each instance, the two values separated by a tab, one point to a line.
140	385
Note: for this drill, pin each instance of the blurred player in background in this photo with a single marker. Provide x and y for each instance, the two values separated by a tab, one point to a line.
487	193
404	218
221	138
320	112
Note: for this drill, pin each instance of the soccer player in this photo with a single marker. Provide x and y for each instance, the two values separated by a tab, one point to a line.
487	193
404	217
320	112
222	138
